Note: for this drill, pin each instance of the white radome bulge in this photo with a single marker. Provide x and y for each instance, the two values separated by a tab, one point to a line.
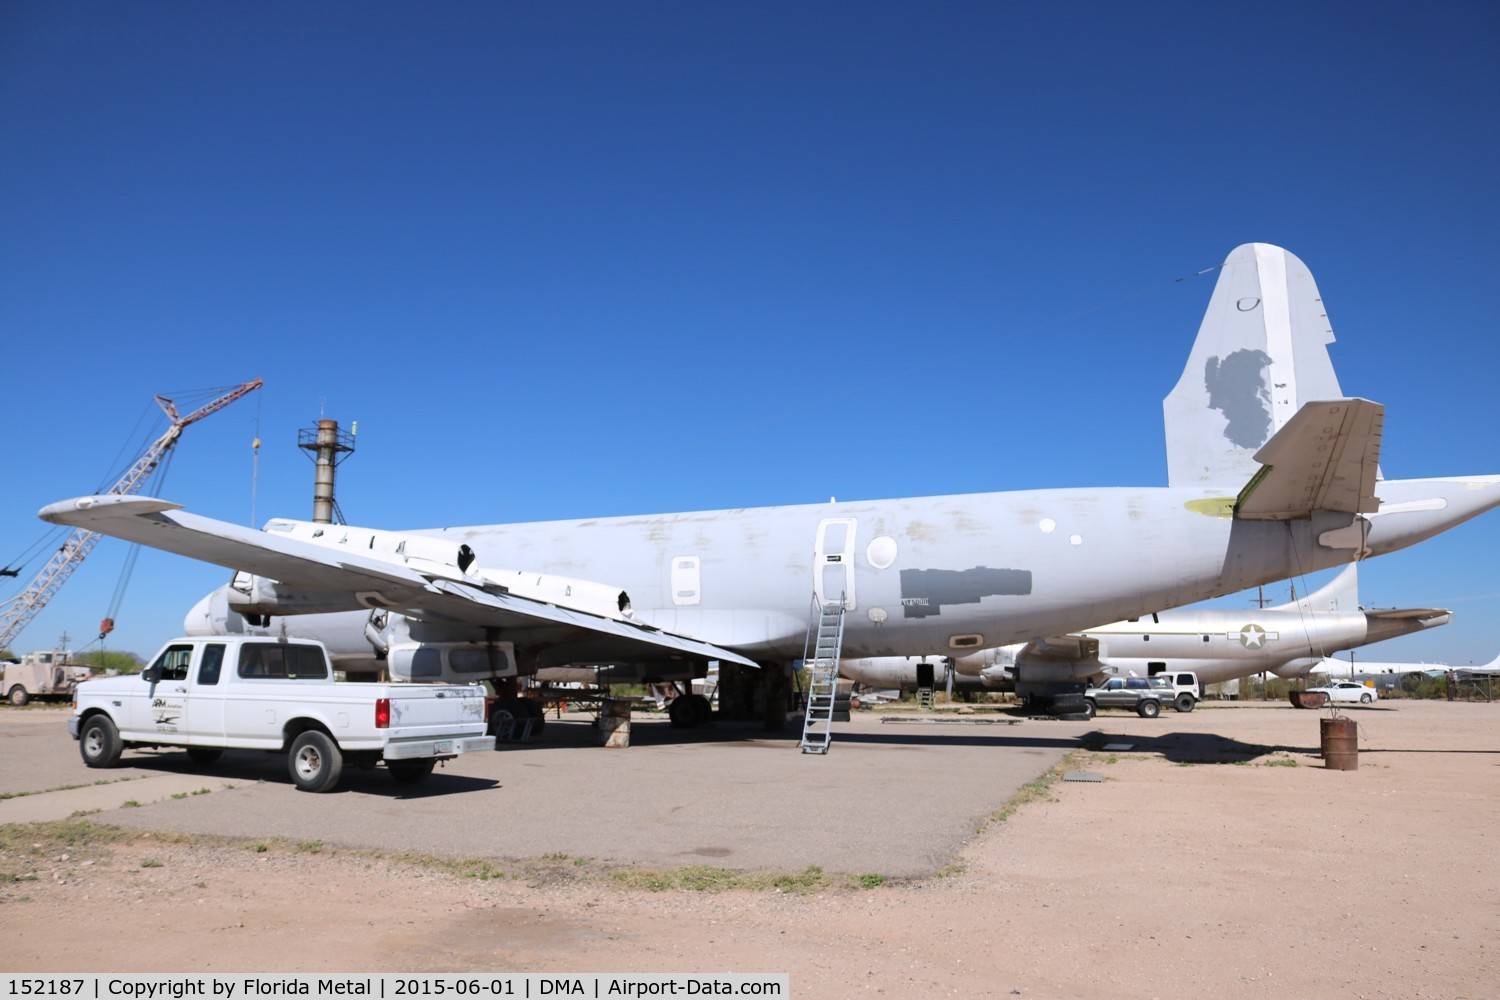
881	552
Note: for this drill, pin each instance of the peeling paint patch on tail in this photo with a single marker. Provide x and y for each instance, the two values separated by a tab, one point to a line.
1237	388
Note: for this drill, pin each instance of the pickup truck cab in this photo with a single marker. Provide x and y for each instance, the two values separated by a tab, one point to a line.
212	693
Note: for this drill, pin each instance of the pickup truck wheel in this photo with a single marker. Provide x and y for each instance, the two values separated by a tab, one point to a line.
315	762
19	696
204	755
1185	703
99	743
1089	708
409	772
1149	709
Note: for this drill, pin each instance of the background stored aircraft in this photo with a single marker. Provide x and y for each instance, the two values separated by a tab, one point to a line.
1290	640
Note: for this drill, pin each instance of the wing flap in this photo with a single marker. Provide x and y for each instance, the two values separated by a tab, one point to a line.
602	636
1324	458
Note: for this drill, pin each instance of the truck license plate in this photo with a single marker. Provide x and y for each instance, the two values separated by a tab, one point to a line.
443	746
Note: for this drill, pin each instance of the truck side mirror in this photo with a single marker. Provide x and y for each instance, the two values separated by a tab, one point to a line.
151	674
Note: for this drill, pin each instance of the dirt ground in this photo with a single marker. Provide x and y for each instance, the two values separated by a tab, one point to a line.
1218	857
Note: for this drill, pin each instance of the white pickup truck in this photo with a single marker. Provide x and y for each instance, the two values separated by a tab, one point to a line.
215	693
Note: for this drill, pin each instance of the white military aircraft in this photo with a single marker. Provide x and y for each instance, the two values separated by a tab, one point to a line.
1272	472
1289	640
1335	668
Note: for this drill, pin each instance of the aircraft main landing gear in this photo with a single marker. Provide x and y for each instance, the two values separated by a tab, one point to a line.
689	710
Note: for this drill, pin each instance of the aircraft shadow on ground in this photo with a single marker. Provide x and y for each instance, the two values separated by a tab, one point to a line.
1191	748
655	732
958	740
660	732
271	768
1207	748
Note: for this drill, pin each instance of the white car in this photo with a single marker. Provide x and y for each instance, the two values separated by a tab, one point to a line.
1348	691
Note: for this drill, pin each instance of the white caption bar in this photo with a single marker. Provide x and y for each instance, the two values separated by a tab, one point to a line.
418	986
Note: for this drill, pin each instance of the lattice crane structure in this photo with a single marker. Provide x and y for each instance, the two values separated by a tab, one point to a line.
17	613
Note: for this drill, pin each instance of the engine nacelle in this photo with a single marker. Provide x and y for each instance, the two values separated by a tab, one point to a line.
257	595
460	662
1300	667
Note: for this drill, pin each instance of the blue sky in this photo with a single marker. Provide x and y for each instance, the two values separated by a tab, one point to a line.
579	259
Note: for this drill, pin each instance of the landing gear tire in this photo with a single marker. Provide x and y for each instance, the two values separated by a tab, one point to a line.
516	709
409	772
315	762
19	696
204	755
1148	709
689	710
1185	703
99	743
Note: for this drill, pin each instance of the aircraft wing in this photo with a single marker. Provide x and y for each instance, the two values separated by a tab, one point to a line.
432	595
1324	458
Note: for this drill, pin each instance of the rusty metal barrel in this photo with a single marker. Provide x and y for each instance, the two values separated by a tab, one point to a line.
1340	744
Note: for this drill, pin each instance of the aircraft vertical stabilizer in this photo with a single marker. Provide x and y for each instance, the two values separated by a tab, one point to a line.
1261	353
1341	594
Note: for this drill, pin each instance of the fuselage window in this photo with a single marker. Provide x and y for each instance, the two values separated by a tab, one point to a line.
685	580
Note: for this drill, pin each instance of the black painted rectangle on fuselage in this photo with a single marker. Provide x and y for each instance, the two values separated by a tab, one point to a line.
924	592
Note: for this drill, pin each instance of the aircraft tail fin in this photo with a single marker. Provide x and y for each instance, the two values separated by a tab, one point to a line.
1339	594
1260	355
1492	667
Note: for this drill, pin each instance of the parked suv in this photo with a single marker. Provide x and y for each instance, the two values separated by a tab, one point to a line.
1185	689
1144	694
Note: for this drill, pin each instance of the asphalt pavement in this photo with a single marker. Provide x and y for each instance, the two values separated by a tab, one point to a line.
892	798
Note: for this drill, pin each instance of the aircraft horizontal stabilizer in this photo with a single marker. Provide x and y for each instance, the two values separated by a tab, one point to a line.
1409	614
1324	458
434	591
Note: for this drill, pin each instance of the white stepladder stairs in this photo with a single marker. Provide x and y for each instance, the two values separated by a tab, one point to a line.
820	654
